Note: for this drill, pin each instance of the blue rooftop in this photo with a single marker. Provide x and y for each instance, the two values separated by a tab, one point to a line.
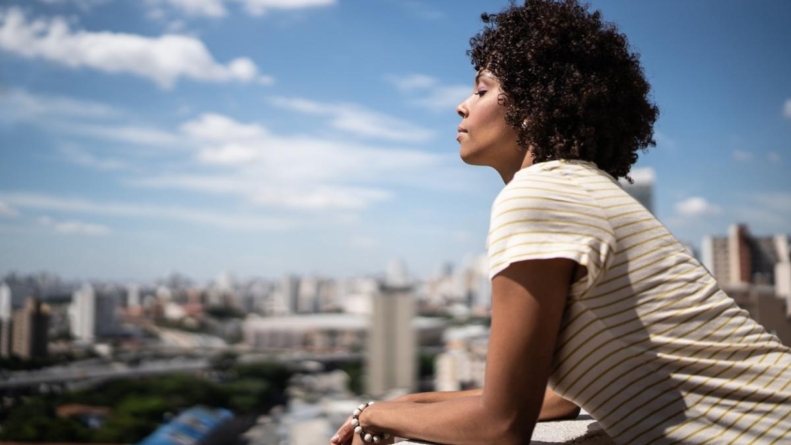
189	427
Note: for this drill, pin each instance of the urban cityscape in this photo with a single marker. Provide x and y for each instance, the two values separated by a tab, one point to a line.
234	221
288	357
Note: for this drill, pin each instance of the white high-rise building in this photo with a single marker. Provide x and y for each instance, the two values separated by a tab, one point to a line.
226	281
307	295
5	302
83	314
93	314
132	296
5	320
392	343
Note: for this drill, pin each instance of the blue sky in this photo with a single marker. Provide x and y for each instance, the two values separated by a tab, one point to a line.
266	137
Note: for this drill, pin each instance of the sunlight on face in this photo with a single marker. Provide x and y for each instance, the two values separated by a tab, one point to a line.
483	135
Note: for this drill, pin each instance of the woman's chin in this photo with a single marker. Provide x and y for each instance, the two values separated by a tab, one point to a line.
470	157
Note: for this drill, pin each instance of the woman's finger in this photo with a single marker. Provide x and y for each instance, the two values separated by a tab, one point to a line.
344	433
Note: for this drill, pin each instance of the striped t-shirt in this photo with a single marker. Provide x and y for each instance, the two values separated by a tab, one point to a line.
649	345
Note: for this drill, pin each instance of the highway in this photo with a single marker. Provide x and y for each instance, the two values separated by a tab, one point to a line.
60	375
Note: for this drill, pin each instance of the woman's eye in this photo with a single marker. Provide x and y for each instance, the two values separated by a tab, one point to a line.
480	92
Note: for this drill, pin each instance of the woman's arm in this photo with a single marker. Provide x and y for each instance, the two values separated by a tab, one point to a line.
554	406
436	396
528	299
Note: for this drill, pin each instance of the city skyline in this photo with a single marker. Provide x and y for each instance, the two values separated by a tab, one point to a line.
317	136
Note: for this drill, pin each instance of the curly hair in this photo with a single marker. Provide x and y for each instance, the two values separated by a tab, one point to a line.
571	86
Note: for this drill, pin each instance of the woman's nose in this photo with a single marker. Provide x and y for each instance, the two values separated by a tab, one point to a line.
461	110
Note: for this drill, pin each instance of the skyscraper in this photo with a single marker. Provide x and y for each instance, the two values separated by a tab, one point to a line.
288	295
107	303
392	348
308	295
31	325
83	314
5	320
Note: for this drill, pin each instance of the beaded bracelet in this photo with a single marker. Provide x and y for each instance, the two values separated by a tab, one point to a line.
358	429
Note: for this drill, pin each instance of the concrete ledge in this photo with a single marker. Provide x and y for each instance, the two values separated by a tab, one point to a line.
583	430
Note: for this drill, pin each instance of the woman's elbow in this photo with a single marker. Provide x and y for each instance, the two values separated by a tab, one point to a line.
511	432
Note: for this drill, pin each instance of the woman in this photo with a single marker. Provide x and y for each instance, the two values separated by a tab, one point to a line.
590	293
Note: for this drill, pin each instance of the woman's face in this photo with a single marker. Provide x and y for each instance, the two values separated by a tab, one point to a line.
484	136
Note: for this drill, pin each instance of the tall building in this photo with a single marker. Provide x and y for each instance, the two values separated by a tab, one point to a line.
31	325
483	292
642	188
741	259
5	320
308	295
83	314
107	304
133	296
5	301
289	295
392	345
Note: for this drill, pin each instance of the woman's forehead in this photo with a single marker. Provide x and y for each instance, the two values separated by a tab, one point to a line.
484	73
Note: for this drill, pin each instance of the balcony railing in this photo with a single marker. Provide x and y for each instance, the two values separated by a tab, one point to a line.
582	431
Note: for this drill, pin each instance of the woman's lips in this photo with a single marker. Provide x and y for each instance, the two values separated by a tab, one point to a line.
461	131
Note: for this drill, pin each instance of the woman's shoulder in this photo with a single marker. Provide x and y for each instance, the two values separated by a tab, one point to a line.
560	180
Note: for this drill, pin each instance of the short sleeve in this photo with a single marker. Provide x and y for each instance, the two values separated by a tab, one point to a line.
545	216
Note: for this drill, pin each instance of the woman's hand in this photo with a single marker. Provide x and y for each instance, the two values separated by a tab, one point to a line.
345	435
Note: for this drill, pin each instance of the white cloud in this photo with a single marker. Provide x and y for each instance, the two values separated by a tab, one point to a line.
787	108
231	154
696	206
163	59
300	172
774	157
67	115
20	105
82	157
217	8
85	5
260	7
643	175
6	211
205	8
211	127
428	93
297	159
742	155
320	197
412	81
358	121
81	228
146	211
74	227
131	134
